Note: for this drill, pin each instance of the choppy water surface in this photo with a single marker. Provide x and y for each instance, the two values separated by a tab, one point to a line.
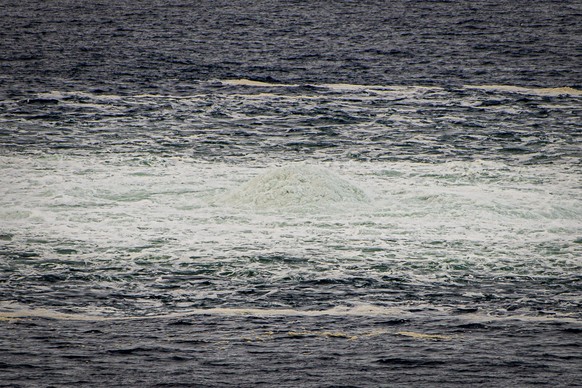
341	203
328	224
330	216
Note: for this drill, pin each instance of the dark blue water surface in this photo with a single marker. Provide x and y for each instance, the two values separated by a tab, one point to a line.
162	46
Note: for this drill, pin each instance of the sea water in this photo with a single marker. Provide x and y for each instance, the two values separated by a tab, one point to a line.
139	221
276	224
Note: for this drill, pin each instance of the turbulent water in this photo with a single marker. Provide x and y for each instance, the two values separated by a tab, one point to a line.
301	194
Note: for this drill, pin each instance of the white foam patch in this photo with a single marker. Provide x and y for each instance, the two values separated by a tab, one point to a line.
420	219
525	90
382	89
12	311
295	186
247	82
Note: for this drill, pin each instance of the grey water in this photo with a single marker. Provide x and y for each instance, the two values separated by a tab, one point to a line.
259	193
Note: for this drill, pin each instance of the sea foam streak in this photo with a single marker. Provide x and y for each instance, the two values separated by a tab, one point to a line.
557	91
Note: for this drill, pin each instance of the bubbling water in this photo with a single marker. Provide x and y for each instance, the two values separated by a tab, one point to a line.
296	186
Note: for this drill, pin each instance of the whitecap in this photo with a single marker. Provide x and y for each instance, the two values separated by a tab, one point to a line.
248	82
557	91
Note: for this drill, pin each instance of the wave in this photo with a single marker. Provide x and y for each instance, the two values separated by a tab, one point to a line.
366	92
248	82
14	312
557	91
346	87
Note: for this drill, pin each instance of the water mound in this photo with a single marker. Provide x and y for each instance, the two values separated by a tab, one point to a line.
296	186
